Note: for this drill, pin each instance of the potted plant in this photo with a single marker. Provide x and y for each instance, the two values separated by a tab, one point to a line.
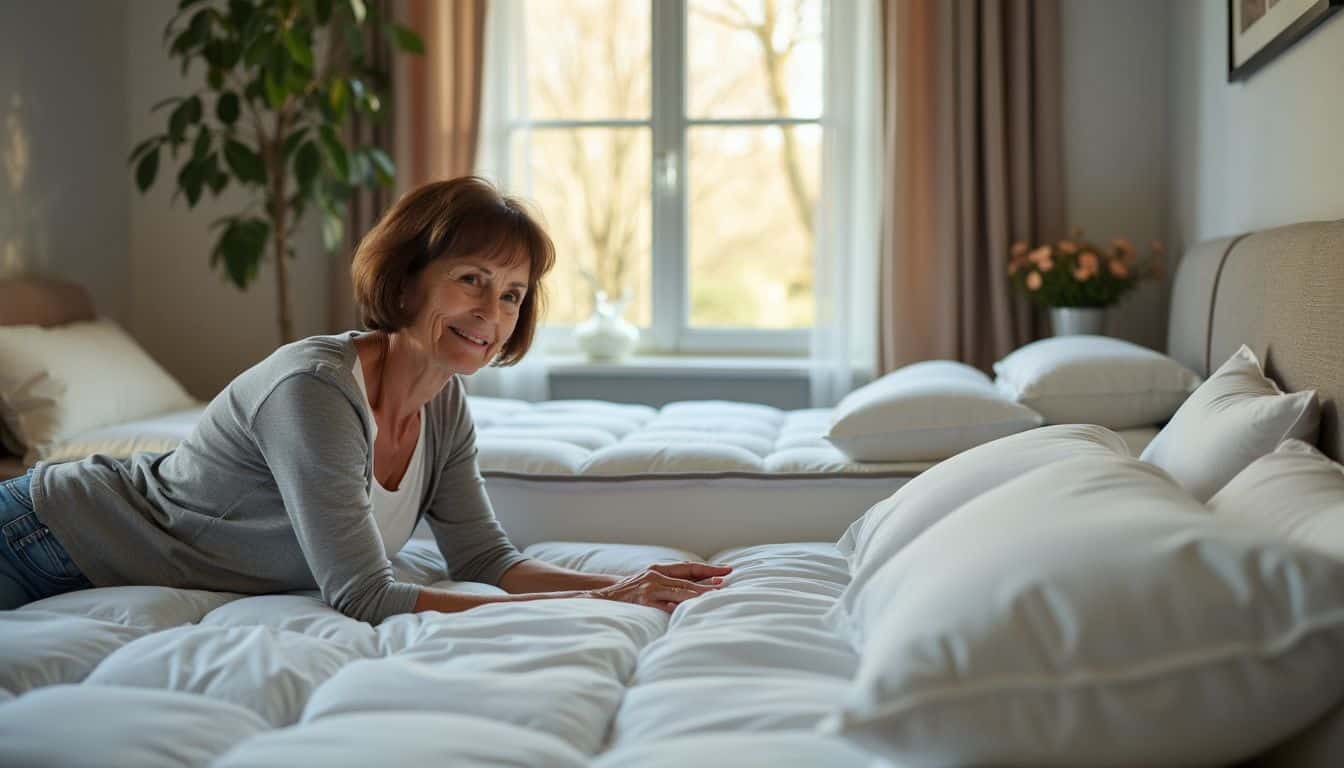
1078	279
282	76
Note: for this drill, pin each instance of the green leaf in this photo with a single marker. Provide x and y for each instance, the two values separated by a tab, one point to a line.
202	145
306	164
215	78
383	166
165	102
245	164
187	4
275	90
338	96
186	113
240	249
226	108
191	179
217	182
292	141
358	9
335	152
147	170
333	231
144	145
406	40
299	51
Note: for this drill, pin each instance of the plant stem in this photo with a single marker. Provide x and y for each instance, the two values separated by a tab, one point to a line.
279	227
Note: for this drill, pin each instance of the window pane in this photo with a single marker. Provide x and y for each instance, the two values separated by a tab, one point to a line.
754	58
753	196
592	186
587	59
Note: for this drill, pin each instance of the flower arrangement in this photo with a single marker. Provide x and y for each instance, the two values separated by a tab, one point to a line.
1078	273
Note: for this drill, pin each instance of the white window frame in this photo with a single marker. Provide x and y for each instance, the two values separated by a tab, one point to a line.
669	123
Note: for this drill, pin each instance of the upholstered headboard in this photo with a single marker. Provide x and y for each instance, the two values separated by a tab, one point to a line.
1279	291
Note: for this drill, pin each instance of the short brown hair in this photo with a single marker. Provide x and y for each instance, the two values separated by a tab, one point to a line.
449	219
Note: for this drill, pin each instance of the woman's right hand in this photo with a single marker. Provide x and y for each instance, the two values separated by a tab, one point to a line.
649	587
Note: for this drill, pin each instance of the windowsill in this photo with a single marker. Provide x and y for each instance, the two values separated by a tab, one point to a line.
672	366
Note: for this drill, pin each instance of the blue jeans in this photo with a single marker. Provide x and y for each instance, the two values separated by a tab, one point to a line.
33	564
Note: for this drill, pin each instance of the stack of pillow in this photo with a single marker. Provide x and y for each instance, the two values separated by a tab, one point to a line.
1046	599
932	410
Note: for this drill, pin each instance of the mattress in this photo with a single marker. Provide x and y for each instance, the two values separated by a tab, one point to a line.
150	676
697	475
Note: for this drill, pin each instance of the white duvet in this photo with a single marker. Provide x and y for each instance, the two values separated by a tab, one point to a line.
147	676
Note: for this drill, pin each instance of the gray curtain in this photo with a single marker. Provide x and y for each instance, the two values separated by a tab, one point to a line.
971	127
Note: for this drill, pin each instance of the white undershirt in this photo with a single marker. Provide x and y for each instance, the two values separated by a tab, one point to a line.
395	512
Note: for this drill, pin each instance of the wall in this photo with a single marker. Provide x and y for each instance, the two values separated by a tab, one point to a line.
199	326
1114	96
63	202
1260	152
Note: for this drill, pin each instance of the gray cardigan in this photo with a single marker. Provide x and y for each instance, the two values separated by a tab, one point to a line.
269	493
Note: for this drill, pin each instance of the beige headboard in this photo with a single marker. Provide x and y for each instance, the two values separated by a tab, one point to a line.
40	301
1279	291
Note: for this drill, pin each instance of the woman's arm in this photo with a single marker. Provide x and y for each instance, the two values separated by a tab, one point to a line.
443	601
539	576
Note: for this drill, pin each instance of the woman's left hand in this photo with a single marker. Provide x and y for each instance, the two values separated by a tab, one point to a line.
701	573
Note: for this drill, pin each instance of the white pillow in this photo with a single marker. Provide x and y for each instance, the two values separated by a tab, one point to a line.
891	524
1095	380
1092	613
1234	418
58	382
925	412
1296	492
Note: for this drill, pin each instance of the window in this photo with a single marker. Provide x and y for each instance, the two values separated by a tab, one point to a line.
674	148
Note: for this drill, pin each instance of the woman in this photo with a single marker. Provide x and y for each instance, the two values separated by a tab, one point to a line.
311	468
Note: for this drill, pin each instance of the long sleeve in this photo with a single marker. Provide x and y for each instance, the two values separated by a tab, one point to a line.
473	543
310	435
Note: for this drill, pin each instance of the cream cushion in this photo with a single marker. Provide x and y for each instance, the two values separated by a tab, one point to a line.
60	381
1093	613
1234	418
1295	492
892	524
1095	380
924	412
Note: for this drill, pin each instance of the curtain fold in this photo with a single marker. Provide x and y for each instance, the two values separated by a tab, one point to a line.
430	123
973	162
843	343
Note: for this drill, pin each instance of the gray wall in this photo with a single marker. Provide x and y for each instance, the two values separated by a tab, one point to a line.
1114	56
1257	153
64	182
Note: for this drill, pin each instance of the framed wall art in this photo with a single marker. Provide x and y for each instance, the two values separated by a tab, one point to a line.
1259	30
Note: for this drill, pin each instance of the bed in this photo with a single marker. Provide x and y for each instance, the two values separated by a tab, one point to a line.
161	677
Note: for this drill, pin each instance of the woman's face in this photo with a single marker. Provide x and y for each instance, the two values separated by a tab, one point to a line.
468	309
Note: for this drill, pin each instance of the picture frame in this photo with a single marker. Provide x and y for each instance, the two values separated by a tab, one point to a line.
1259	30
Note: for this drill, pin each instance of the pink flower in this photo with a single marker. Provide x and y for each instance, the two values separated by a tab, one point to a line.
1087	260
1118	268
1122	246
1034	281
1082	274
1068	247
1039	254
1018	250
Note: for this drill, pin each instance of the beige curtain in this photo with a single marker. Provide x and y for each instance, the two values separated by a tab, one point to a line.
973	162
431	124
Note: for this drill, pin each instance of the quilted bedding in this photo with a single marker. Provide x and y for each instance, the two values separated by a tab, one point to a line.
149	676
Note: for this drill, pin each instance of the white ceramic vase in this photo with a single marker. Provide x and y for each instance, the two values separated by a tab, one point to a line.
606	336
1072	321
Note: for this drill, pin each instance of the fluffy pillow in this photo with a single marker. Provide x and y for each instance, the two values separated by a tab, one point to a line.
1095	380
1234	418
925	412
1093	613
891	524
58	382
1296	492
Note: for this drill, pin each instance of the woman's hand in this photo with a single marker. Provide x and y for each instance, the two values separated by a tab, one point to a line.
665	586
